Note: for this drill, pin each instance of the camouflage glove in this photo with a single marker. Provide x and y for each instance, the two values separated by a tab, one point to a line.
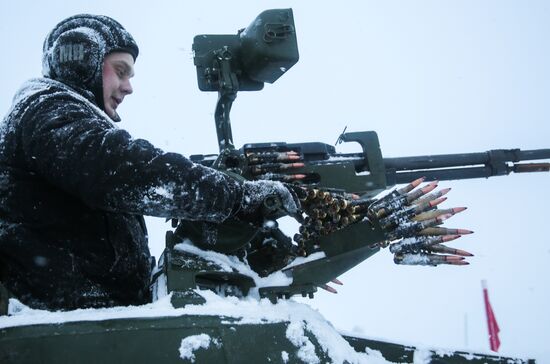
267	200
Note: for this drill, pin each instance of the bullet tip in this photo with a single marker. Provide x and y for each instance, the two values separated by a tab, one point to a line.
461	262
464	253
328	288
447	238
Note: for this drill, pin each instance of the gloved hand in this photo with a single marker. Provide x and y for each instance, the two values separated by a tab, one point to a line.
267	200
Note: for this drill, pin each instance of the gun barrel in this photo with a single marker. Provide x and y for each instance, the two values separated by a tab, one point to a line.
497	162
439	174
464	159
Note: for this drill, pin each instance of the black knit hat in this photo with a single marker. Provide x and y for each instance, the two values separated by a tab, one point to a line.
74	51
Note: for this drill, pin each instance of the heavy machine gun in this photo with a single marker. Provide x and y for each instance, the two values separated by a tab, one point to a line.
344	224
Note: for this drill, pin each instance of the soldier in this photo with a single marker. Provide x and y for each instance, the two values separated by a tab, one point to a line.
74	187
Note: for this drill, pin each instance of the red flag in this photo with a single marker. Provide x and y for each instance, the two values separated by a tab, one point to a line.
492	325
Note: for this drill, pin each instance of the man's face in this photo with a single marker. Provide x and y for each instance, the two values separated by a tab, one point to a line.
118	68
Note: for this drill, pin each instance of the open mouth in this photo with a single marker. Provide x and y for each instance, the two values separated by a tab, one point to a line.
116	101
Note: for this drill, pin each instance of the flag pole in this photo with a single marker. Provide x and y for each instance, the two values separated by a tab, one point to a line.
465	330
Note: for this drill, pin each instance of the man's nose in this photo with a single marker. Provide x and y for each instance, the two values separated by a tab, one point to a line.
126	87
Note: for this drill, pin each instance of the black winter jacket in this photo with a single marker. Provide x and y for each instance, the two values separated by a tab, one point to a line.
73	189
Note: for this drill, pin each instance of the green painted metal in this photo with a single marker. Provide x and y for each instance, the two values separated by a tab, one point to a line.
149	340
397	353
158	340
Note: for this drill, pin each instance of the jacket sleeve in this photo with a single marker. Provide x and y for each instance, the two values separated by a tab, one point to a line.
75	148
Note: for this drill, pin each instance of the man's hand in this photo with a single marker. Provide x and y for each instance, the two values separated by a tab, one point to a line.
267	200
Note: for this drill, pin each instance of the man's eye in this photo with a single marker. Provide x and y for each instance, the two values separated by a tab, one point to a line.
119	72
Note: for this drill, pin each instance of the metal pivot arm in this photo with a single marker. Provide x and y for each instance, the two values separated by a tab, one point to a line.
223	122
227	92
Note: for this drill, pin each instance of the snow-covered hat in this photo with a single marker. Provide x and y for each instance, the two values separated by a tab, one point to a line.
74	51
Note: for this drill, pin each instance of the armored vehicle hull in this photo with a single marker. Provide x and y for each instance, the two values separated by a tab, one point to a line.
206	339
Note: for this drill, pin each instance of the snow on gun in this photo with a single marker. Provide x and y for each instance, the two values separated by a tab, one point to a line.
409	217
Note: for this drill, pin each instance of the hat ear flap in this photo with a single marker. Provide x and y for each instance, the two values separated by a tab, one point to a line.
76	56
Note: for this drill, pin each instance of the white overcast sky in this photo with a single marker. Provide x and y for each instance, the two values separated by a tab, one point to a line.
429	76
